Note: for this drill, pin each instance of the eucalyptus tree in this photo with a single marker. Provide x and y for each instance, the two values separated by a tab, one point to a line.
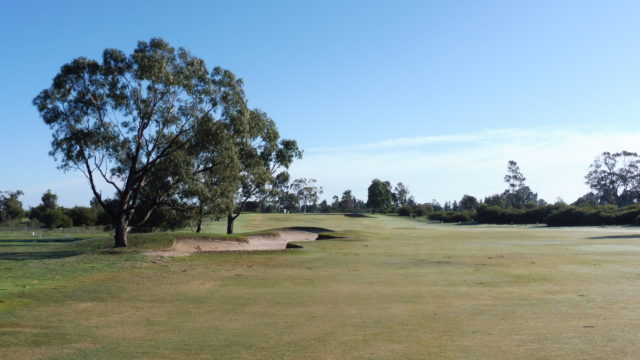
468	202
379	196
615	178
401	194
514	177
348	202
216	175
10	205
263	158
307	192
131	121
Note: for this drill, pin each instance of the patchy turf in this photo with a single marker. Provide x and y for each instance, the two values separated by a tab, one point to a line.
384	288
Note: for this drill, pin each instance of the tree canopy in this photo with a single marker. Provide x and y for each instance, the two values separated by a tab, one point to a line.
379	196
614	178
146	124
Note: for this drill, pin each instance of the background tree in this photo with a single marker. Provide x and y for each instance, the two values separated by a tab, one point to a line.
49	213
468	202
517	195
307	192
10	205
495	200
120	120
82	216
514	177
587	200
348	202
379	196
615	178
401	194
335	204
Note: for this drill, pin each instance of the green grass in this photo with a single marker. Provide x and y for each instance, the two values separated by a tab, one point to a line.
383	288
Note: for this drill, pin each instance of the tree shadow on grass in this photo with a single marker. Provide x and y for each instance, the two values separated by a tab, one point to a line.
39	240
632	236
358	215
37	255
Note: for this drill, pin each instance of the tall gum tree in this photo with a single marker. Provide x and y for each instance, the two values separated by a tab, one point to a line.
128	120
264	159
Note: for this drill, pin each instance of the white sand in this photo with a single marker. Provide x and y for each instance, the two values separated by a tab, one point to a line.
278	241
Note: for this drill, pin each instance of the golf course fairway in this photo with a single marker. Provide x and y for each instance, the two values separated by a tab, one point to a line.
378	287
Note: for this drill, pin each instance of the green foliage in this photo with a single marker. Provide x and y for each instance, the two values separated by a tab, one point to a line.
514	177
165	218
588	199
594	216
400	195
307	192
613	178
49	214
82	216
405	210
10	205
379	196
451	216
498	215
159	127
468	202
55	218
420	210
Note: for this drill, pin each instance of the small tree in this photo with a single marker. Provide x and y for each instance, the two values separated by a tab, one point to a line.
468	202
514	177
615	178
307	192
348	202
405	210
379	196
401	194
49	213
10	205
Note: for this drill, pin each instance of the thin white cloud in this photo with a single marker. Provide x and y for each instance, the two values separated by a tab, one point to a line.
554	160
485	136
447	167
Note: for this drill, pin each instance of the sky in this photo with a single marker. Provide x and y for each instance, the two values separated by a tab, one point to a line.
439	95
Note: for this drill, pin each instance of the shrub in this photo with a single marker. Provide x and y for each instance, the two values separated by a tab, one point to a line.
451	216
82	216
405	210
54	218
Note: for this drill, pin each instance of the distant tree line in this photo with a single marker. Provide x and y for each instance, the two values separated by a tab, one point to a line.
299	195
614	199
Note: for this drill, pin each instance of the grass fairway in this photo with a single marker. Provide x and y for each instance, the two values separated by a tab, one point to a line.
391	288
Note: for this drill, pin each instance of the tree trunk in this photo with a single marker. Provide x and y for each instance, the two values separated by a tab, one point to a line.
199	220
122	230
230	219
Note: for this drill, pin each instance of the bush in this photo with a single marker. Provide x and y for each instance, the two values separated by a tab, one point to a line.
82	216
405	210
498	215
419	211
54	218
594	216
451	216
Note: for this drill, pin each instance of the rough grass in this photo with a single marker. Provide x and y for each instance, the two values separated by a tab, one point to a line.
386	288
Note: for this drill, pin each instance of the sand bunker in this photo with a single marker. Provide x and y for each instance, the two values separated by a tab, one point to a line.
276	241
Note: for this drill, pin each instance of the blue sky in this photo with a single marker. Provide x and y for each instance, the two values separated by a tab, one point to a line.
436	94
